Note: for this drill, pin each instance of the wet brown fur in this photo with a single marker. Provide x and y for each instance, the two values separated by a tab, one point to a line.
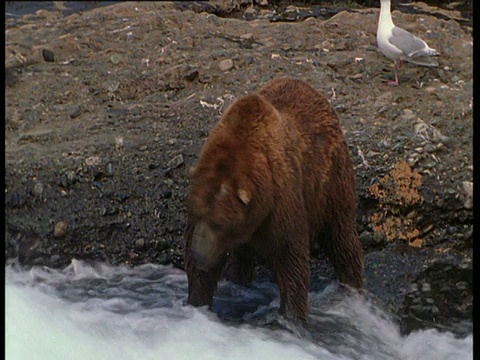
284	146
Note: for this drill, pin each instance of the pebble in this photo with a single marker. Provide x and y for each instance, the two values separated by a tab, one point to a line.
417	308
48	55
429	148
175	162
426	287
32	116
60	229
445	289
110	169
226	65
468	190
76	112
250	11
455	78
167	193
378	237
462	285
140	243
116	58
366	238
38	188
407	115
249	59
214	19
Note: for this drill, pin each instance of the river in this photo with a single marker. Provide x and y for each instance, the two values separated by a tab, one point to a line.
100	311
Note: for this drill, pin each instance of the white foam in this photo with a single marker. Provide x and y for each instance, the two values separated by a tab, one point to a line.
40	325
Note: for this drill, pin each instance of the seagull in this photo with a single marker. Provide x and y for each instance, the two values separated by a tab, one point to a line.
399	45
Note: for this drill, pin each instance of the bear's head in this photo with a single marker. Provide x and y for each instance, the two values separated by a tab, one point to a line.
231	192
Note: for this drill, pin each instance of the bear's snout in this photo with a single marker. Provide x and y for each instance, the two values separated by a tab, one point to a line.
205	249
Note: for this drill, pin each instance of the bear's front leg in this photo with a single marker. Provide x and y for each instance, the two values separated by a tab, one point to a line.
202	286
292	270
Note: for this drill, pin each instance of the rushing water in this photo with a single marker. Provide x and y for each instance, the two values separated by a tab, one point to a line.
104	312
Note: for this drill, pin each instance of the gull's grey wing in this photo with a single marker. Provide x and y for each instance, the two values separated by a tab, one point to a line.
407	42
423	61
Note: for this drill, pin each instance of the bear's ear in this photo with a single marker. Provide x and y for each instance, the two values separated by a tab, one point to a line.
244	195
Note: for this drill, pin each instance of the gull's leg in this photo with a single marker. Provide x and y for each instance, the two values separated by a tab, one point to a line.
395	83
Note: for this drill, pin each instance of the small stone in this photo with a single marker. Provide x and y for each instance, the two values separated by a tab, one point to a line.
468	197
55	258
110	169
462	285
167	193
378	237
213	18
246	36
226	65
429	148
366	238
48	55
191	75
172	141
116	58
38	188
426	287
140	243
429	301
60	229
143	148
249	59
417	308
76	112
175	162
407	115
445	289
413	287
250	11
32	116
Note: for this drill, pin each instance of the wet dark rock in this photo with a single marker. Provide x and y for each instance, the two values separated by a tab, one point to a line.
166	193
48	55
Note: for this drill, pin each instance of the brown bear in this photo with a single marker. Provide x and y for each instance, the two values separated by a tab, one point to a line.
273	178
